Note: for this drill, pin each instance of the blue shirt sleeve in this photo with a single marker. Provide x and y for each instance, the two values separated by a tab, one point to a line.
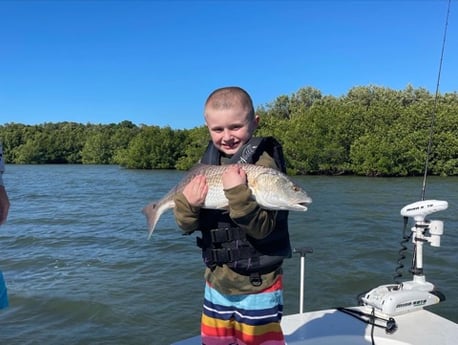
3	293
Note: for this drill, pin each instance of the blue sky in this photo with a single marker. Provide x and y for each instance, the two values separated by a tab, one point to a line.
155	62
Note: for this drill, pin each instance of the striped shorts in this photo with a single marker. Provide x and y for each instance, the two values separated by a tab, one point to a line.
251	319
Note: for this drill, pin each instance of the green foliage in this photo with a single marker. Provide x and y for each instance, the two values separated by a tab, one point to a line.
372	130
152	148
194	146
97	148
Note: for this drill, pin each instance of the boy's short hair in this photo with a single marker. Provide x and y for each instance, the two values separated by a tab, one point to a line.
230	96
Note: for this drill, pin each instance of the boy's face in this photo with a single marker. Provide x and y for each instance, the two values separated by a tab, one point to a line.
230	128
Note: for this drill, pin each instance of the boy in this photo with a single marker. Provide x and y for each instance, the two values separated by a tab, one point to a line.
244	247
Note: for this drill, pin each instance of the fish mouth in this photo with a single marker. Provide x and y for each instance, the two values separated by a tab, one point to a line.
303	205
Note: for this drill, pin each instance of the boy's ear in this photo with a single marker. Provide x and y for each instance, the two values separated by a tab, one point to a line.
256	120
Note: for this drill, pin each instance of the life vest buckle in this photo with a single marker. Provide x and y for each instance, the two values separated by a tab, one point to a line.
227	234
222	255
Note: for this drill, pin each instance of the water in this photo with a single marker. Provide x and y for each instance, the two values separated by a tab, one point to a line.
80	270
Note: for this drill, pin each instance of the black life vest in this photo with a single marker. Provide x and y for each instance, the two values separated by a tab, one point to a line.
223	242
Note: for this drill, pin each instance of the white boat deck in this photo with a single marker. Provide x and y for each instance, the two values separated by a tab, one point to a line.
332	327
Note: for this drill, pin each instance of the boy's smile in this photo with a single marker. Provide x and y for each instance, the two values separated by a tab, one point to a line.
230	128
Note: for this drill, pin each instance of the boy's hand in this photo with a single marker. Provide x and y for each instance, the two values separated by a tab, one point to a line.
233	176
196	190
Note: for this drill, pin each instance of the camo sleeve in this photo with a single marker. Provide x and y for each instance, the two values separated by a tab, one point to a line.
246	213
186	216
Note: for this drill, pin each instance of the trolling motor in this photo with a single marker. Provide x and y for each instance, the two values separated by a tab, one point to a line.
401	298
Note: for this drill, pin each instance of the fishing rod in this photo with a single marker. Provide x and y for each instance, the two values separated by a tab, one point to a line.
436	96
408	296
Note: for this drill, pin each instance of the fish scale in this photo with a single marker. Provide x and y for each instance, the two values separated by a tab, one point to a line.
272	190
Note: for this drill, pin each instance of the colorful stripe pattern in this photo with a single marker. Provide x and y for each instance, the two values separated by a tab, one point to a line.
251	319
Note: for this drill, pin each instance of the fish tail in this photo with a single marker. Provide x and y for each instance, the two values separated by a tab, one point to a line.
153	212
150	212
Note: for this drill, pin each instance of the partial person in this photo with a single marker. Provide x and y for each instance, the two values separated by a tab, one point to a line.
4	208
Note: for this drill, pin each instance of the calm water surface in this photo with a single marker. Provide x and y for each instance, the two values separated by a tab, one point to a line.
80	270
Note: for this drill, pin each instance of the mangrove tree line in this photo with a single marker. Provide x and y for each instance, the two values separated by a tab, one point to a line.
371	130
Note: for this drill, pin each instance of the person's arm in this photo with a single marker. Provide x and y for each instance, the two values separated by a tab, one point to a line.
188	204
4	201
2	164
245	211
186	216
4	204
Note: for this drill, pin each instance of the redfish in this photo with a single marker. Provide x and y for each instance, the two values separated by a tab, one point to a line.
272	190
